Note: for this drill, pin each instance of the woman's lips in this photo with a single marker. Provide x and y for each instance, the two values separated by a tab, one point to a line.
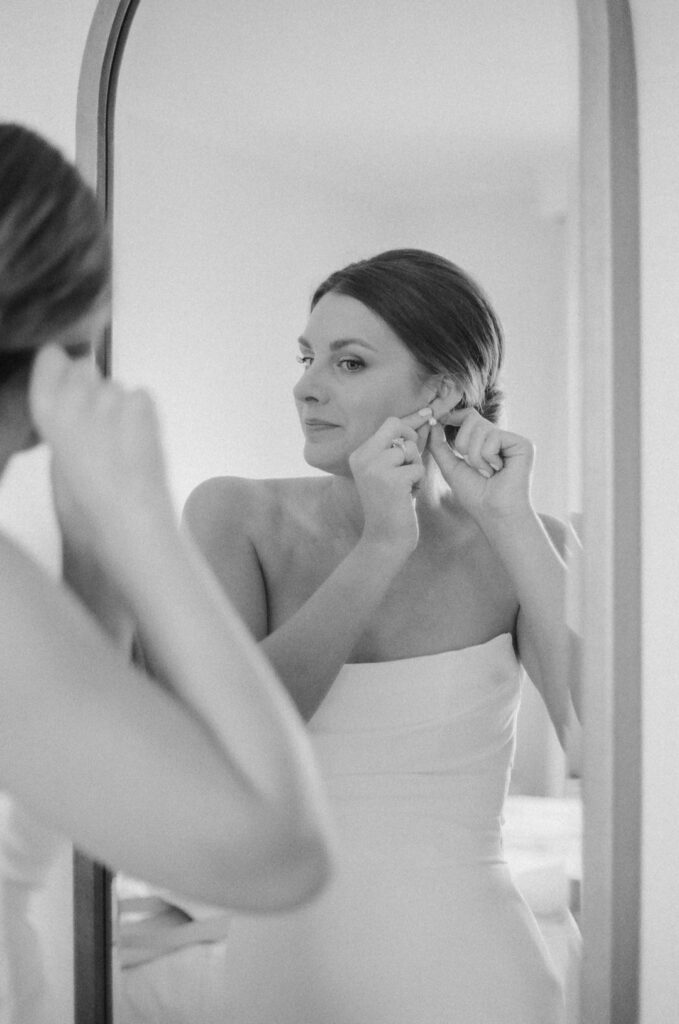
314	426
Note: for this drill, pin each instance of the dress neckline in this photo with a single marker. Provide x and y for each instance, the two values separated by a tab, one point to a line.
438	654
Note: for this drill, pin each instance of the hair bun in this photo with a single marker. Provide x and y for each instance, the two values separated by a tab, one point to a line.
493	401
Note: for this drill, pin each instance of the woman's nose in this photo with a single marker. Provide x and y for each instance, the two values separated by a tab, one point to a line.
310	387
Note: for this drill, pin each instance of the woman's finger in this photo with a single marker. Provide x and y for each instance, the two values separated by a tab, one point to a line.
414	473
491	449
441	449
475	445
456	417
403	451
444	406
451	462
390	429
419	419
467	422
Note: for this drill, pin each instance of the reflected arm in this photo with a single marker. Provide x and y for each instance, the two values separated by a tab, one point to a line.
311	647
534	551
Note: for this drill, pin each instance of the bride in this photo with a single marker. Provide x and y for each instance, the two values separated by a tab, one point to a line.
399	597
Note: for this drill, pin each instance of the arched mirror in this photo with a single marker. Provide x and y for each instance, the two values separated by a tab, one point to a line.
255	149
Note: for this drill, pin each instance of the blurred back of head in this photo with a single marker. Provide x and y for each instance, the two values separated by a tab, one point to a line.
54	248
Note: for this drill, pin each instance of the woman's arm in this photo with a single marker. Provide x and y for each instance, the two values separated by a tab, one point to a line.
492	480
209	789
533	550
311	647
83	575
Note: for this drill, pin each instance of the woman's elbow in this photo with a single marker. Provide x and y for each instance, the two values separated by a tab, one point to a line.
304	866
300	856
301	843
285	865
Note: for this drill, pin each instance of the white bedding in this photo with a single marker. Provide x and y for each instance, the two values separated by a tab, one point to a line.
543	847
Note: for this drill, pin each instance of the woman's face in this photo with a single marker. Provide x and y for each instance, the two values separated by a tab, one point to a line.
357	373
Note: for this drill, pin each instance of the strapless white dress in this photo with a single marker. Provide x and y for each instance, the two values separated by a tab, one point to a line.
422	923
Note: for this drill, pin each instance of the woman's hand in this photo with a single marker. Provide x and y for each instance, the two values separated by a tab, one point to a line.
488	469
107	463
387	476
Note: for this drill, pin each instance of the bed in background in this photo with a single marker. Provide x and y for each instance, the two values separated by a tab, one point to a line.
543	847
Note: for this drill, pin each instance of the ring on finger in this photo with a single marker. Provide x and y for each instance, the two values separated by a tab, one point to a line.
400	442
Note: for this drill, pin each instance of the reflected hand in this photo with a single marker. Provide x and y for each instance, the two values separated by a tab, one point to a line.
386	477
488	469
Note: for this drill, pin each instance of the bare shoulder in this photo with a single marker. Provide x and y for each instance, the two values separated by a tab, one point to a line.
251	533
560	532
220	496
254	506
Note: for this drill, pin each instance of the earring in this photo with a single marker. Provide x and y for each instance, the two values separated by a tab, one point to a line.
427	414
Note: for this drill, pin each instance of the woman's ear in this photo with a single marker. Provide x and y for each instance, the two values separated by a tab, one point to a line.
448	395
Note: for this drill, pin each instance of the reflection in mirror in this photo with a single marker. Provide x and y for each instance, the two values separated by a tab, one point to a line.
259	148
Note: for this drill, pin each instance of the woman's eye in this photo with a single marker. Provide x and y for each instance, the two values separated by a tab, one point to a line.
348	364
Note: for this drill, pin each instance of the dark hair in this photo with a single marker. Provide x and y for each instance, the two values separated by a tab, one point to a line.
438	311
54	248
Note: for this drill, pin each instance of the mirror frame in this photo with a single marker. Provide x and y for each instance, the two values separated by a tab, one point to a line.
611	573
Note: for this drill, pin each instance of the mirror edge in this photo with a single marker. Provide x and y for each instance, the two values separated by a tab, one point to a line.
92	890
611	345
610	317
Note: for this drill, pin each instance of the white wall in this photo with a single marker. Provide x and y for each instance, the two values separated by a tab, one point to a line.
42	44
656	29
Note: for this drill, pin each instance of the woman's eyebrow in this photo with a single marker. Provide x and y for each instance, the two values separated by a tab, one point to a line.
339	343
